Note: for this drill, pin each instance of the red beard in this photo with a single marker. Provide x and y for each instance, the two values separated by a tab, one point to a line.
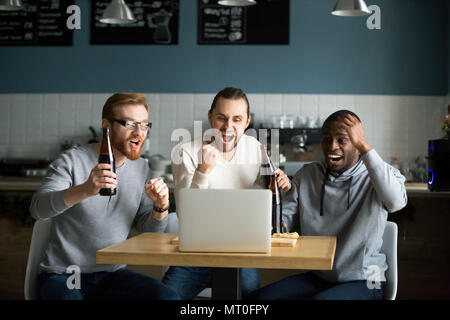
122	147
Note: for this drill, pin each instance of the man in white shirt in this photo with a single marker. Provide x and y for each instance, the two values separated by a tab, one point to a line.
231	160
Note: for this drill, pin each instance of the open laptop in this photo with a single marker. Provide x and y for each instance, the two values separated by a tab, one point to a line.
216	220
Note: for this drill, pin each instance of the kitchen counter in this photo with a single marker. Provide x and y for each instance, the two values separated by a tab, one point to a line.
421	190
33	183
20	183
30	183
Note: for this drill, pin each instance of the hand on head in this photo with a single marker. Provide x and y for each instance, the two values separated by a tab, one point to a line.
343	141
356	133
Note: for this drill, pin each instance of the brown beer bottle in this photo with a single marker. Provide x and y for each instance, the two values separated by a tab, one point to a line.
107	156
270	182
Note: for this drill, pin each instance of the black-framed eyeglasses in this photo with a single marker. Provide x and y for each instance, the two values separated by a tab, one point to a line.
131	125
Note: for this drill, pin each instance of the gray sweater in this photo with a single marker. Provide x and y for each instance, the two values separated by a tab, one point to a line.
96	222
353	207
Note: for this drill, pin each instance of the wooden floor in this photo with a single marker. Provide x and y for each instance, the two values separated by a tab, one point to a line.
424	249
14	244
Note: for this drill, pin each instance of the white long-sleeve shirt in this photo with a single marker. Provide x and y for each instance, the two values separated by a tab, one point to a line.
241	172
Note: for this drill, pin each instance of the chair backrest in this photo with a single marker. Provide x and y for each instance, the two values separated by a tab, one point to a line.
389	248
39	242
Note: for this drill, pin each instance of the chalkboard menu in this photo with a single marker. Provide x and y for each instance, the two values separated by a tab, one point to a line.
43	22
267	22
156	23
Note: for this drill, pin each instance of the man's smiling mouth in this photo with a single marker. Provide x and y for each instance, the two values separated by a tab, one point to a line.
334	157
135	142
228	137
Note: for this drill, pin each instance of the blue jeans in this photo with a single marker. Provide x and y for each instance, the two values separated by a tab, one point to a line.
307	286
188	282
119	285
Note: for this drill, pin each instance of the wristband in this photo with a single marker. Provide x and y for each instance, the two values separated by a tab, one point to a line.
160	210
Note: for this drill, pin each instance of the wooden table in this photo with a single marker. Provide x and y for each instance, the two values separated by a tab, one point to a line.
309	253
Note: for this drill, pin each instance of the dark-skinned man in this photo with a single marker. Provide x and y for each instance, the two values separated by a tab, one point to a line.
348	195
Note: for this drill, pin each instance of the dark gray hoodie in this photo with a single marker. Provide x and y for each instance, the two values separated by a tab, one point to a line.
353	207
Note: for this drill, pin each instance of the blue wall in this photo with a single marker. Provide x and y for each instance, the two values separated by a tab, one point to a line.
327	54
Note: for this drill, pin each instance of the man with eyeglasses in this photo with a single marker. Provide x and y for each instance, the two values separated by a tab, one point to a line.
83	222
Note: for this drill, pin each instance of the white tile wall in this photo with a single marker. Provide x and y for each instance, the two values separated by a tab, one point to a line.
35	125
5	114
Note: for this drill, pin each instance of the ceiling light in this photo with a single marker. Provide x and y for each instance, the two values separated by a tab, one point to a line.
117	12
237	3
350	8
11	5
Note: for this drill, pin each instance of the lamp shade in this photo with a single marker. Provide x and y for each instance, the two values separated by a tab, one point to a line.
117	12
237	3
350	8
11	5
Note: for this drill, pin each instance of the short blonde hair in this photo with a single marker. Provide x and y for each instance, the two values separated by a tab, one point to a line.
120	99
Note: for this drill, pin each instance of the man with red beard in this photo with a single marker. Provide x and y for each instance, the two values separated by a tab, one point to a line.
83	222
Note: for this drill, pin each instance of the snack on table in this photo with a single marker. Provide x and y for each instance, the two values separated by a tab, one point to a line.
288	235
